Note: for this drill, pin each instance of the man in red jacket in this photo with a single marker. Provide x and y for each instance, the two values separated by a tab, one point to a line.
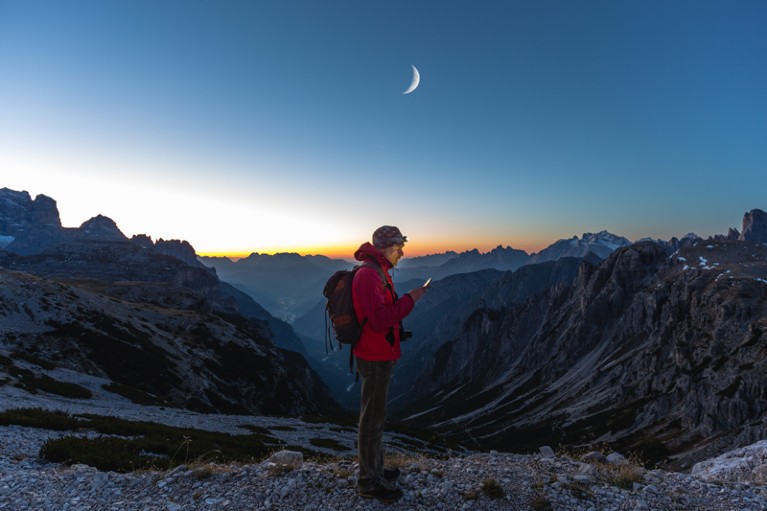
381	312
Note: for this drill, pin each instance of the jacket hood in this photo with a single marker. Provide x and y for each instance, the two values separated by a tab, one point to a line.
368	251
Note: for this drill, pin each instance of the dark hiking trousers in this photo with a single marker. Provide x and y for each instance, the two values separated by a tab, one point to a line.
374	377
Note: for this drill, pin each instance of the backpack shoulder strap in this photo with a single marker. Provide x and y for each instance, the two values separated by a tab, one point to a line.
377	267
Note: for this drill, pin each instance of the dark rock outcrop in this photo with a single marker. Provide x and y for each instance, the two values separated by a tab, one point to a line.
181	250
28	225
754	226
99	228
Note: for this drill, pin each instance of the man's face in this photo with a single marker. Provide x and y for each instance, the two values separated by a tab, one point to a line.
394	253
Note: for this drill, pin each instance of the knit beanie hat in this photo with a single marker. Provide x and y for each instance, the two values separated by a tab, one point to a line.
386	236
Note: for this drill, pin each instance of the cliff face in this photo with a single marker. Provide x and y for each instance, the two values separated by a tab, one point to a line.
660	354
754	226
27	225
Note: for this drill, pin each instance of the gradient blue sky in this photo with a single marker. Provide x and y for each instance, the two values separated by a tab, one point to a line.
263	126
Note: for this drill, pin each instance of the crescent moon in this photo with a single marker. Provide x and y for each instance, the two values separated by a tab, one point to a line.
415	82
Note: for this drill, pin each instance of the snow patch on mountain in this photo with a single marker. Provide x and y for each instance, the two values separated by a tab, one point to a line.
601	244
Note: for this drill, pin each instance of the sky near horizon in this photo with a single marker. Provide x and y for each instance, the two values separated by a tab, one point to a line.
281	126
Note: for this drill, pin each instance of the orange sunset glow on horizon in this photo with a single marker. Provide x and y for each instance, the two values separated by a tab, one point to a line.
412	249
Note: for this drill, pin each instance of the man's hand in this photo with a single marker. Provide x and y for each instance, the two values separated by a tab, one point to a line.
417	293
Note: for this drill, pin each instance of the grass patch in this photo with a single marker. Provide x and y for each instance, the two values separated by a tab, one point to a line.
280	470
417	462
624	476
492	489
580	491
540	502
470	495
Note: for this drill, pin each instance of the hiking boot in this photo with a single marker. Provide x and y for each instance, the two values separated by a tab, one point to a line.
391	474
383	491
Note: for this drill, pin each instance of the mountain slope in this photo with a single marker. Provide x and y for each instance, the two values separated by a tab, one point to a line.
657	354
205	361
442	311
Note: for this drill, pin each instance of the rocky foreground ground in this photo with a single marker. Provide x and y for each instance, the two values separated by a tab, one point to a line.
487	481
476	481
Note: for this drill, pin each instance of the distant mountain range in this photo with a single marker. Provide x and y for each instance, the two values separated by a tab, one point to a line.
286	284
289	285
654	347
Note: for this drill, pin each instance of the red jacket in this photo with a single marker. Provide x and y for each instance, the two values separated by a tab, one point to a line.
376	303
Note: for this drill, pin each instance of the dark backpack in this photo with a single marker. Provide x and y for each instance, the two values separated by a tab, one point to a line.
340	306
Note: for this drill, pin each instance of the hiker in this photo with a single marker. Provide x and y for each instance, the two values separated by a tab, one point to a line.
376	303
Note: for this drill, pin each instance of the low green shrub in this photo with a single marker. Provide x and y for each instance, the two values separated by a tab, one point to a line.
39	418
105	453
139	445
60	388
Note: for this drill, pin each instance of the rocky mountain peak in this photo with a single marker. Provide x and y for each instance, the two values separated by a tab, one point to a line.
601	244
18	212
101	228
142	240
31	227
26	225
754	226
179	249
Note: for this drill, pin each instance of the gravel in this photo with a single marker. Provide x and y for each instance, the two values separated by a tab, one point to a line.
467	481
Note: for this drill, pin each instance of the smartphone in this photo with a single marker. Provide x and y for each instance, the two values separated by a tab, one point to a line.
427	282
